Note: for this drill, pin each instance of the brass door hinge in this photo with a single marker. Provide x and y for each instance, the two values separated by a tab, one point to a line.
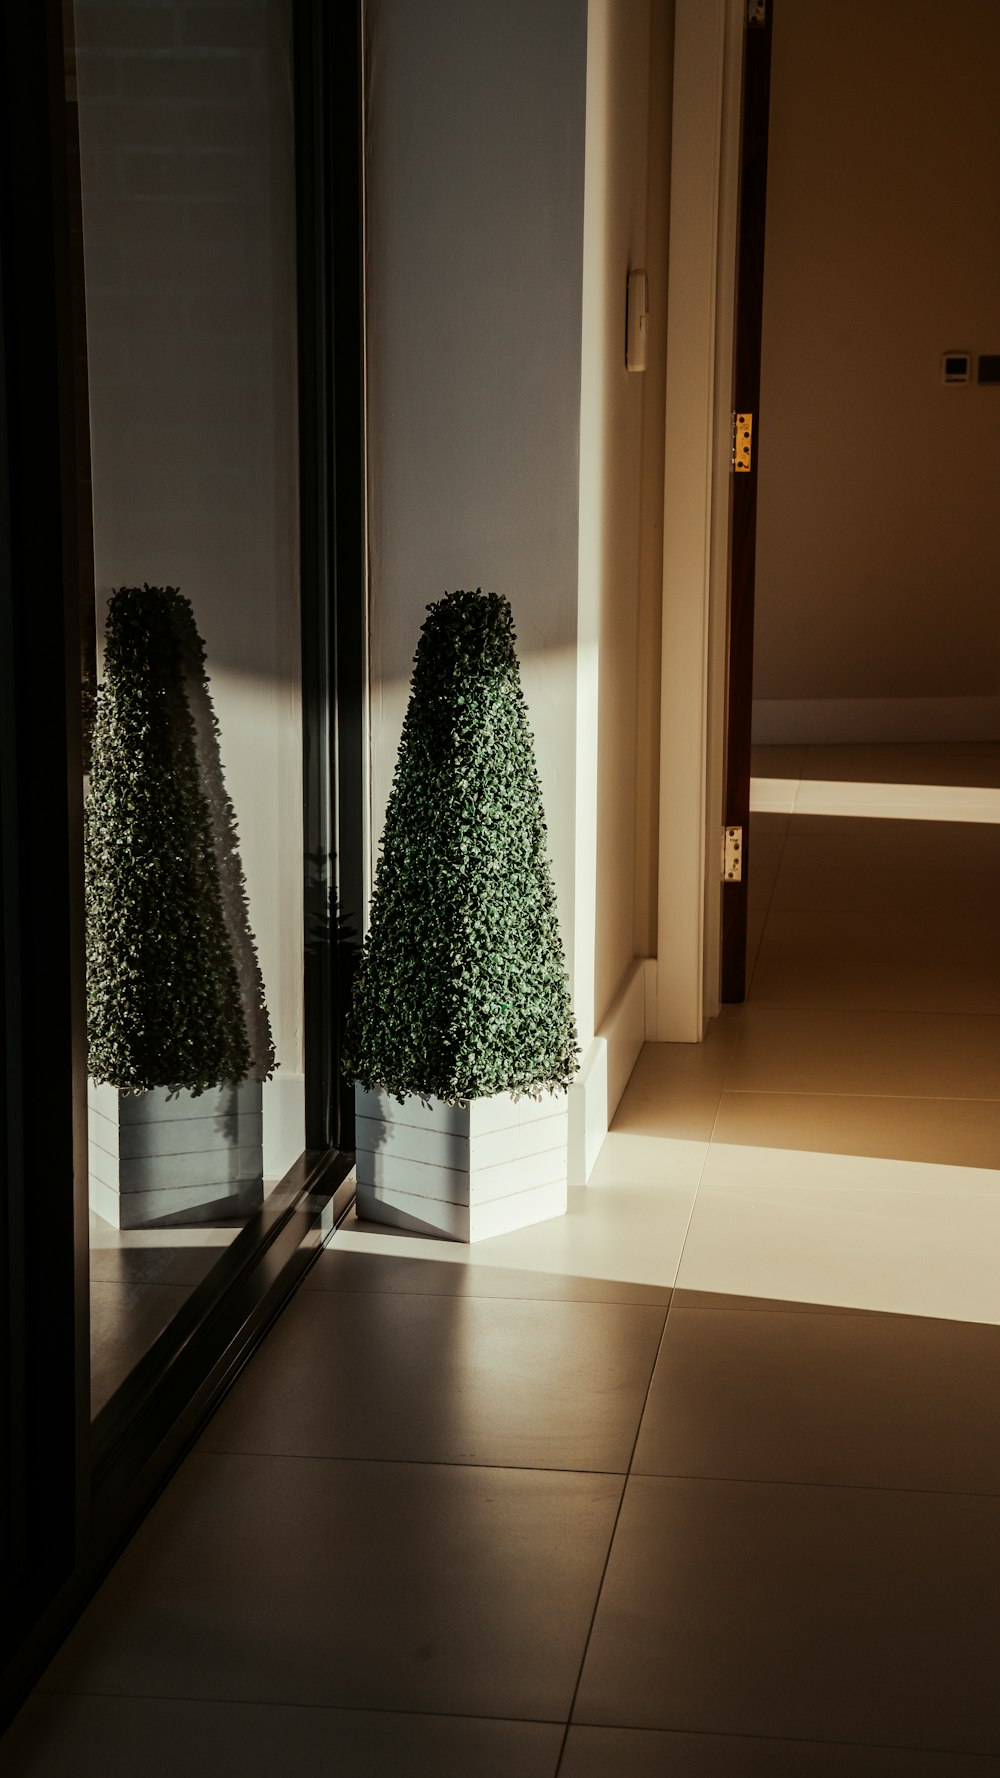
742	442
756	14
732	854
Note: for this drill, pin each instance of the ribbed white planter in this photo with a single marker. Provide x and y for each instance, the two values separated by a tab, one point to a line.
156	1159
469	1173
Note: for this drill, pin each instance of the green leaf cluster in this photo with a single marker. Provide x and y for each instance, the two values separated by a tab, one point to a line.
462	989
164	1007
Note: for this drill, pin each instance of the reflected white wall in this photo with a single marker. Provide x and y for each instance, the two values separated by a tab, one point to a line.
188	205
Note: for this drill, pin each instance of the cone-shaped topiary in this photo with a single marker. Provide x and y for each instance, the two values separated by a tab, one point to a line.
163	997
462	989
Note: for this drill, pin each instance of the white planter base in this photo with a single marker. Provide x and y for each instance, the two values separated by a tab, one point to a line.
466	1174
156	1160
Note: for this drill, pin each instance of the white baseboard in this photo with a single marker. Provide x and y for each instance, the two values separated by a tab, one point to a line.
607	1065
779	722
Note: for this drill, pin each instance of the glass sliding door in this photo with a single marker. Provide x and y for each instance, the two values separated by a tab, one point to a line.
181	775
187	171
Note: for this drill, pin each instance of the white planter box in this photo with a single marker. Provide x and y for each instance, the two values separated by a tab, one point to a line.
160	1160
437	1169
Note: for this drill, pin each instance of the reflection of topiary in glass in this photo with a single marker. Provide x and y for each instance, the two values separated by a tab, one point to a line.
163	998
462	988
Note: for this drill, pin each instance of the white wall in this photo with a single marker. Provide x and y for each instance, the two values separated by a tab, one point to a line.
621	478
474	252
188	210
879	524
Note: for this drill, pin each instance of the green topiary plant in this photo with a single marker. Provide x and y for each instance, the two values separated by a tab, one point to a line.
163	997
462	989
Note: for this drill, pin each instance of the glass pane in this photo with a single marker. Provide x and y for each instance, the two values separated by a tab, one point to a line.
195	799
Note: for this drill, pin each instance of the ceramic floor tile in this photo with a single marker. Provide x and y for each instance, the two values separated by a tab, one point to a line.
777	762
963	1133
875	1401
762	866
827	1614
667	1160
655	1753
941	1055
772	795
456	1379
74	1737
674	1089
879	890
761	1305
916	801
623	1232
756	923
905	763
156	1256
125	1320
343	1268
770	821
376	1586
898	1252
861	844
906	963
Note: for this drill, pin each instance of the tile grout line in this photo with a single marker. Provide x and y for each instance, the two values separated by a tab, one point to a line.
611	1542
546	1722
859	1093
701	1174
796	1741
738	1481
200	1450
487	1296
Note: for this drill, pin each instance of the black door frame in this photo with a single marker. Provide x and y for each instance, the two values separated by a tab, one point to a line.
76	1493
743	512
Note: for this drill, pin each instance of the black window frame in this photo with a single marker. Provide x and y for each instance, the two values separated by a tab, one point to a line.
76	1492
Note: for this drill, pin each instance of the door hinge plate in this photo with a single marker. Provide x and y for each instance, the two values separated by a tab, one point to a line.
742	442
732	854
756	14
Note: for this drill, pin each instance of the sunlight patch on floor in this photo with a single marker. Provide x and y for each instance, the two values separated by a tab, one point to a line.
884	802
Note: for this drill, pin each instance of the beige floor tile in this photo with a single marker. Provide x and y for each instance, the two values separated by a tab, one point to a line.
800	1170
832	1051
346	1268
675	1087
156	1256
875	1401
74	1737
865	843
905	963
880	890
950	763
756	923
777	762
655	1753
662	1160
125	1320
769	821
446	1379
945	1132
762	865
761	1305
772	795
622	1233
830	1614
899	1252
905	802
375	1586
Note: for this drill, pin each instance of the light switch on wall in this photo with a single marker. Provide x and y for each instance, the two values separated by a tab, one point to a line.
636	321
